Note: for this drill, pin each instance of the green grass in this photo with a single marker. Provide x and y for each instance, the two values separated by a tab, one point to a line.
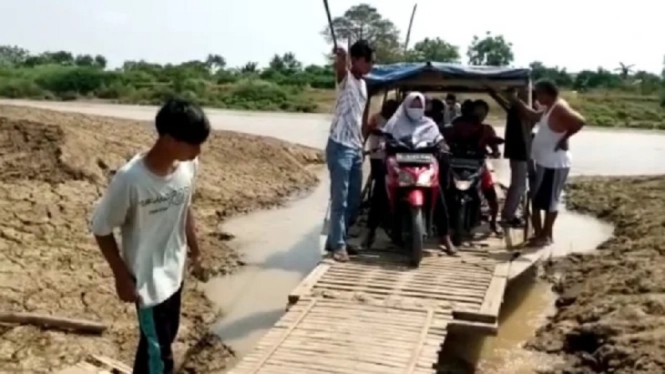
265	92
616	109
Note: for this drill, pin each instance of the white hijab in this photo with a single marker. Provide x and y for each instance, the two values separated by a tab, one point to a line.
417	126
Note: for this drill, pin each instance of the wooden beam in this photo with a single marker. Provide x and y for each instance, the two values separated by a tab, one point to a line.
116	366
310	280
62	323
490	308
474	316
479	328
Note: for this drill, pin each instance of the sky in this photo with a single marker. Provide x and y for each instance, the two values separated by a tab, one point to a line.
575	34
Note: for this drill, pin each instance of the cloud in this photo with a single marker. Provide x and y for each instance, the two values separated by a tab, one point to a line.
112	17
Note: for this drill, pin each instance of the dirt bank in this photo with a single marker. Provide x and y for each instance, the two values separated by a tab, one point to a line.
611	312
53	167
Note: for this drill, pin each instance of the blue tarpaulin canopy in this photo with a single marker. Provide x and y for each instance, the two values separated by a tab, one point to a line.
439	73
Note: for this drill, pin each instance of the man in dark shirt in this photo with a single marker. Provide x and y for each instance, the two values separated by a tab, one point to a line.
435	111
516	149
469	132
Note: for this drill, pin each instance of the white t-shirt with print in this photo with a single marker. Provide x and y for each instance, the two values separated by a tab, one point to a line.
151	212
346	125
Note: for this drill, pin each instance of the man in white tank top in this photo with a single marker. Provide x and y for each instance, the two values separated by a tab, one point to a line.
550	153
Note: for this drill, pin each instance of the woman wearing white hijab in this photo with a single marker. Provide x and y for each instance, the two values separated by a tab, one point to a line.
409	121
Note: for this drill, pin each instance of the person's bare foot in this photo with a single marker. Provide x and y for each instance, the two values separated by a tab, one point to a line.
539	242
447	246
340	255
369	239
494	229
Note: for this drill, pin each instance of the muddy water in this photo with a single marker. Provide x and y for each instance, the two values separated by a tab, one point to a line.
282	246
528	302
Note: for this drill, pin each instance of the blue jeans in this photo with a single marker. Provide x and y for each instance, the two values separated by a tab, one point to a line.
346	174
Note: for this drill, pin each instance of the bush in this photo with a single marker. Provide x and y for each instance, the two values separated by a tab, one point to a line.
19	88
67	79
609	100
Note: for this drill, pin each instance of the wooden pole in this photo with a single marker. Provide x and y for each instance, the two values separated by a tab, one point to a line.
326	220
408	33
330	23
63	323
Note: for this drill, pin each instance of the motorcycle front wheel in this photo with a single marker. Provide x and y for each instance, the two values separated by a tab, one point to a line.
460	223
415	238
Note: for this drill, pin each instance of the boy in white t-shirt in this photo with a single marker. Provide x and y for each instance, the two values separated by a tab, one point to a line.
149	199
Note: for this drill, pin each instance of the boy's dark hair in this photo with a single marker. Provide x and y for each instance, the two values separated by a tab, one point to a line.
437	105
482	103
362	49
183	121
548	87
467	108
451	97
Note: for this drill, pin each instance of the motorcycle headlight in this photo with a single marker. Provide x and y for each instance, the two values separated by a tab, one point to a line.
425	178
462	185
405	178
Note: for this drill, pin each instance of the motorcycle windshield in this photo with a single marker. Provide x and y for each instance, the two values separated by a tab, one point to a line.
466	163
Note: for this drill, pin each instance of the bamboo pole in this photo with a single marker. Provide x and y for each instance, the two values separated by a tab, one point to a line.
63	323
408	33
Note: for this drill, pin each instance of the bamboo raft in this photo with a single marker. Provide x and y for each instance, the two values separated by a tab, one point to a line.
376	315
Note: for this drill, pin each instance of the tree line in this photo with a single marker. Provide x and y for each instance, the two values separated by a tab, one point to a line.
281	84
363	21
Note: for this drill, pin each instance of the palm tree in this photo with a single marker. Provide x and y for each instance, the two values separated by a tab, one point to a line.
215	62
624	70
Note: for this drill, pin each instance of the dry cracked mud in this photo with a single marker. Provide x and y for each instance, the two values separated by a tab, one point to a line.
53	167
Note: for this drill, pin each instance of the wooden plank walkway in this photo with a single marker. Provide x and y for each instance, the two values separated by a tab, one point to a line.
375	314
322	335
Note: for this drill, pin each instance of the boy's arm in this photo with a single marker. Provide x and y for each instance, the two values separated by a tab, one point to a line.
490	134
569	118
503	103
369	126
190	232
109	214
341	64
194	252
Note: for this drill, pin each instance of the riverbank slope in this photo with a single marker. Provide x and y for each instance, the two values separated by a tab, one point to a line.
611	309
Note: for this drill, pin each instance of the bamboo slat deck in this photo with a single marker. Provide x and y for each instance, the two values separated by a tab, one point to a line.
443	279
468	284
375	314
321	335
